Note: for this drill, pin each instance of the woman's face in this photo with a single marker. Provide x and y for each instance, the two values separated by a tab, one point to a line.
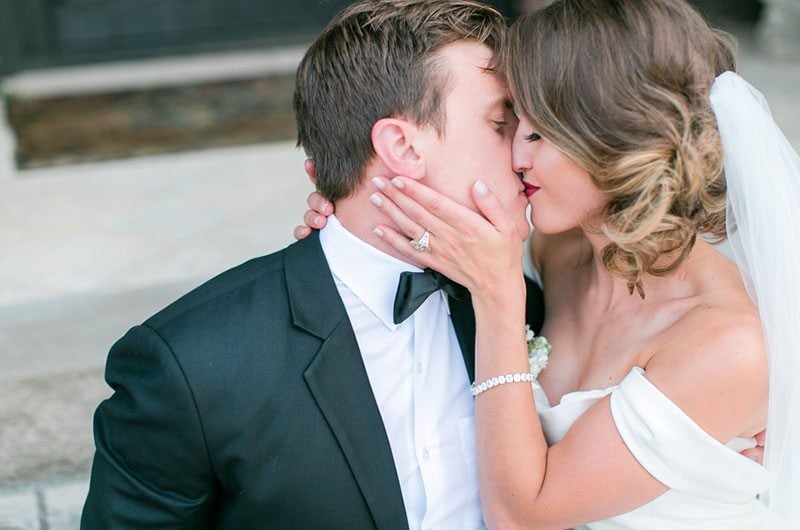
561	193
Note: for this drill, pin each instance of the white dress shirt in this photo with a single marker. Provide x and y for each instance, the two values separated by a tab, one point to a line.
419	380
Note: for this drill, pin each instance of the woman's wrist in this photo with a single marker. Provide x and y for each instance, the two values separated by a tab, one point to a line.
506	297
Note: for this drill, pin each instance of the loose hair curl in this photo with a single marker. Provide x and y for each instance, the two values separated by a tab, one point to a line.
621	88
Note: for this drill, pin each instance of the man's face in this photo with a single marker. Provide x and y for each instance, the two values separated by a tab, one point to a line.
476	141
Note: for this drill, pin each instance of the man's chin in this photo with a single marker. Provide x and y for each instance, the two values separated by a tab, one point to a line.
523	225
524	229
525	233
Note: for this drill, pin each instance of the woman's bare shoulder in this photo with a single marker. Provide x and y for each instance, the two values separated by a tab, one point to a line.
712	363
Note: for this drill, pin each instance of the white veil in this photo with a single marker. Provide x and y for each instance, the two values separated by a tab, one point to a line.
762	171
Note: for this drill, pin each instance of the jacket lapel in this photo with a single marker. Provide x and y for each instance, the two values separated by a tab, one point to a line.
339	383
534	305
463	317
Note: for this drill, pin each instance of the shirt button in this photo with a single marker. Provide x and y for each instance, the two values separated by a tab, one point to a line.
419	368
426	455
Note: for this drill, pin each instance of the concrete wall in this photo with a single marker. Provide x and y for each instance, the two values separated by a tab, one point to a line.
779	30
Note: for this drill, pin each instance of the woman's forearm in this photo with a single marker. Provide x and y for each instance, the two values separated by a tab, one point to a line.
512	451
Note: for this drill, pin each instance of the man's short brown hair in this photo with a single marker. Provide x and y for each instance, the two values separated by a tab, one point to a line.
378	59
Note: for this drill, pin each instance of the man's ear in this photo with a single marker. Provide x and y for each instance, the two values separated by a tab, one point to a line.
311	170
396	143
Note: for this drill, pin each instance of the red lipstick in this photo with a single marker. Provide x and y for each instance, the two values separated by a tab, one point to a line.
530	189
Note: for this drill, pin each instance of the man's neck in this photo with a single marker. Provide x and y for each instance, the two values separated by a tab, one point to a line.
357	214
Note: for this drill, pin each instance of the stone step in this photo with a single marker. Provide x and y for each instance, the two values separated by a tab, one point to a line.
102	112
92	127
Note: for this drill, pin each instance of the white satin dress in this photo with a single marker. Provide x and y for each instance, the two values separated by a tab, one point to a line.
712	486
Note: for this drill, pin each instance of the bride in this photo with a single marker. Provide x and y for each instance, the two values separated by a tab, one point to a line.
637	144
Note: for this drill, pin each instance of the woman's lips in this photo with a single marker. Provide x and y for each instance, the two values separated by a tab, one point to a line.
530	189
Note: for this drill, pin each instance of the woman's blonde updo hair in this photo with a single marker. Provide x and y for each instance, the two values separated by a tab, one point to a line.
621	87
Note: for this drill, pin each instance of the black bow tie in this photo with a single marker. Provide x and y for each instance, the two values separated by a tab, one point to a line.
415	287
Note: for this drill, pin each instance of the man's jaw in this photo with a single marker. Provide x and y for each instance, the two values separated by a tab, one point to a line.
360	217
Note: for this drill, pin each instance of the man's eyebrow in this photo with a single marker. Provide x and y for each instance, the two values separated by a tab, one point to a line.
500	103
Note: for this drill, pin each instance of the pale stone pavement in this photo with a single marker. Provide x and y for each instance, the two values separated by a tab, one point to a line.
90	250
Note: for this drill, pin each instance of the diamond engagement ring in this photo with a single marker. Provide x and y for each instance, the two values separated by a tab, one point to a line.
423	243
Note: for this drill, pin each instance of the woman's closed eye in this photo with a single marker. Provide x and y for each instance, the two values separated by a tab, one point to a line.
532	137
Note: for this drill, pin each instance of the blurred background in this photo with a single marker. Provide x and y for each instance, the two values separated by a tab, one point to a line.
147	145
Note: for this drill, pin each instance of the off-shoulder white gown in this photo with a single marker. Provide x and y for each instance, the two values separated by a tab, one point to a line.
712	486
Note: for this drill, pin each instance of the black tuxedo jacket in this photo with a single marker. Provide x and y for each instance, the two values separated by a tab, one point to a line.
245	404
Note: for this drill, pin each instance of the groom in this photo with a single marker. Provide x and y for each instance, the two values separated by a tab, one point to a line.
286	392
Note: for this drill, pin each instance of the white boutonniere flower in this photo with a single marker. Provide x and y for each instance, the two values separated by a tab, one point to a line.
538	351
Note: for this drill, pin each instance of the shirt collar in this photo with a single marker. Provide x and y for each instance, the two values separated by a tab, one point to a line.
370	273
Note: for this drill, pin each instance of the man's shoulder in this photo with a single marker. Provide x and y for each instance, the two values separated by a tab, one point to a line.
265	274
260	269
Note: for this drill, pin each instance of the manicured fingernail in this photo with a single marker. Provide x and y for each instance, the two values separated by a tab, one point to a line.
374	199
378	232
481	188
316	221
378	183
398	183
323	205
